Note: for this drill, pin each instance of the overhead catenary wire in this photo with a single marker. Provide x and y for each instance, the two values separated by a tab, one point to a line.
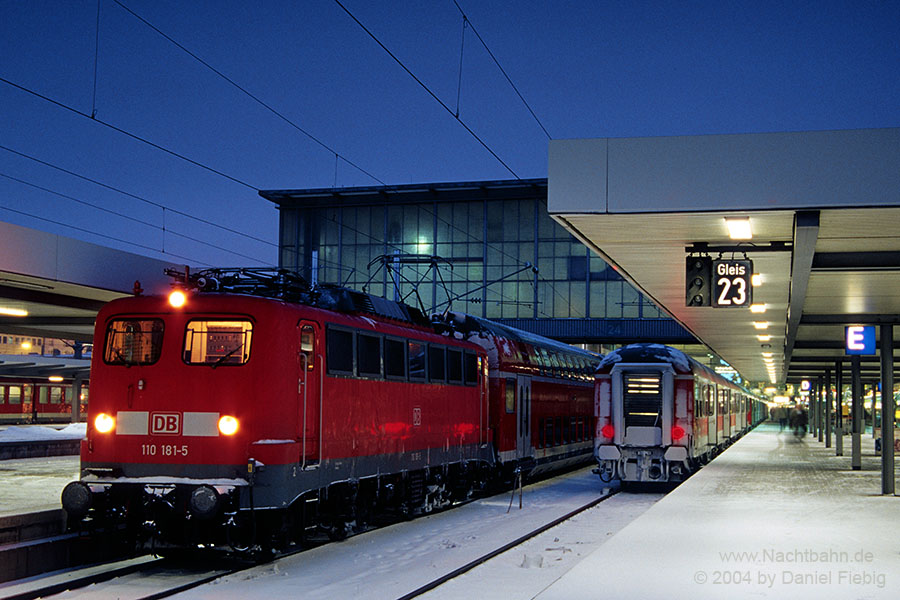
136	197
126	133
132	219
103	235
249	94
467	21
428	90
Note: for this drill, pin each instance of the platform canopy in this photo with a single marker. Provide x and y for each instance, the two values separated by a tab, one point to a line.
824	213
53	286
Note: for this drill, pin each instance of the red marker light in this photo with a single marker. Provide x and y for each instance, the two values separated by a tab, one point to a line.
608	431
677	433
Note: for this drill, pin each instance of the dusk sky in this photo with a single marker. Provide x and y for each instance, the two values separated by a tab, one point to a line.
586	69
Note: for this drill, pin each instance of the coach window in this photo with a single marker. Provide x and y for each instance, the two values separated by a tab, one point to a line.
454	366
416	360
394	359
15	395
339	351
510	396
368	355
55	395
43	394
217	342
470	367
133	341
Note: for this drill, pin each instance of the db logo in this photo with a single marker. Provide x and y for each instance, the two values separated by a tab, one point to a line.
165	423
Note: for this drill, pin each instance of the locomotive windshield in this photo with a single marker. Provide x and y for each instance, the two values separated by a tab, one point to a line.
133	341
217	342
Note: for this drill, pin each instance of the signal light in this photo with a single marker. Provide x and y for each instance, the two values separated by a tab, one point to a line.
104	423
698	281
228	425
608	431
177	299
677	433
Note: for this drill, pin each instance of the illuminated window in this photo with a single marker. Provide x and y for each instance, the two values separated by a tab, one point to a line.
133	341
217	342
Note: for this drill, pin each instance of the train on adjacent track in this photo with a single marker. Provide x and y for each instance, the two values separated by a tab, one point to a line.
249	411
661	414
36	400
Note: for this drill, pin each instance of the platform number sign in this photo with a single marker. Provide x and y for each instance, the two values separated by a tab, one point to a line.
731	283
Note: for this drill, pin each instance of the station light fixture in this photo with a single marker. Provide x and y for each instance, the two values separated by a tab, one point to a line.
13	312
761	324
767	354
55	378
758	308
764	338
756	279
739	228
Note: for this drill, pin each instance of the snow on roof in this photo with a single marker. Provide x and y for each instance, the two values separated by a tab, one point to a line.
645	353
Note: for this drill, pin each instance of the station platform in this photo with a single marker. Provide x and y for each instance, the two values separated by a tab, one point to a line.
30	485
772	517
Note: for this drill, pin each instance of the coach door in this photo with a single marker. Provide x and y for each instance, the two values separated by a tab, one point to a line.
524	449
309	390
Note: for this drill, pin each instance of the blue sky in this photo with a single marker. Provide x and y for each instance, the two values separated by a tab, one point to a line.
587	69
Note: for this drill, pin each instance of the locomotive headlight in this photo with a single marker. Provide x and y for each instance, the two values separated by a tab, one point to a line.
104	423
228	425
177	299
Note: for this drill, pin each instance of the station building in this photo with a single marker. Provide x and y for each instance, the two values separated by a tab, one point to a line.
488	248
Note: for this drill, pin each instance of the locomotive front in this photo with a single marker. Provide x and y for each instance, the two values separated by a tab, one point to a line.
179	404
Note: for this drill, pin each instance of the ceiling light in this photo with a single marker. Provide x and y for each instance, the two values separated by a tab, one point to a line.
764	338
757	308
767	355
13	312
739	228
761	324
756	279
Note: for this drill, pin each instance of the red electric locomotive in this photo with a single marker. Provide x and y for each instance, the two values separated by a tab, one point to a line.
661	414
247	410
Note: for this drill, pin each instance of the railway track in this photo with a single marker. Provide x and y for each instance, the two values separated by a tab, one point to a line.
148	578
504	548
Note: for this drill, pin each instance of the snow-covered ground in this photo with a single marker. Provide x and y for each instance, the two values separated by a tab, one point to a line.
35	433
34	484
393	561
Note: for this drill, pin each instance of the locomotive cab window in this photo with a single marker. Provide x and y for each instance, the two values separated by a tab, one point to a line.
133	341
217	342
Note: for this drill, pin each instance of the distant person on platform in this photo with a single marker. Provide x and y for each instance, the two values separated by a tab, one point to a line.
798	420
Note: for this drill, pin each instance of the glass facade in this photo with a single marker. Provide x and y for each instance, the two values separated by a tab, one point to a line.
469	246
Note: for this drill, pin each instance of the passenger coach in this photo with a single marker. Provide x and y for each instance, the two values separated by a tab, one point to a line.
661	414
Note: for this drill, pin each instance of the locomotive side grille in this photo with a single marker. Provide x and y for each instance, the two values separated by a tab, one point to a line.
643	400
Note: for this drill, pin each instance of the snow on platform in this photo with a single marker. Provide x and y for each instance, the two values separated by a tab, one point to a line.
30	485
772	517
